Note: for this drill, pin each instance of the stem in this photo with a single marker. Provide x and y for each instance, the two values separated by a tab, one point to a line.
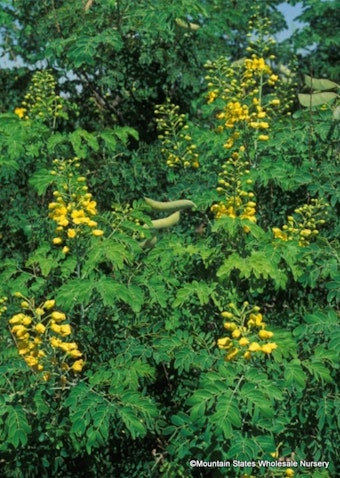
78	274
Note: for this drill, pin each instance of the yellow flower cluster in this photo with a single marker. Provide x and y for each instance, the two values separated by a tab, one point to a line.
237	90
20	112
303	226
247	333
74	208
177	145
240	87
39	333
234	183
259	39
41	101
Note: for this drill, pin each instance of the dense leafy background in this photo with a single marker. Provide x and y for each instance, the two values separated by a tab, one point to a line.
155	390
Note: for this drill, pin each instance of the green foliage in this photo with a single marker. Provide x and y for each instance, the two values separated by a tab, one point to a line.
170	342
317	38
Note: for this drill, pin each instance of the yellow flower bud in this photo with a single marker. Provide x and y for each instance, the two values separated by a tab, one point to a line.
236	333
243	341
265	334
97	232
231	355
40	328
58	316
74	353
224	343
254	347
268	348
78	366
65	330
26	320
227	315
49	304
71	233
31	361
17	319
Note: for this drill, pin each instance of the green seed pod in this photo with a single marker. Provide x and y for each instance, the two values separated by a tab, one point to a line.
170	205
149	243
165	222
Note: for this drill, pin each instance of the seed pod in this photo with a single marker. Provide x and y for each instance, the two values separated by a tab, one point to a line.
165	222
170	205
149	243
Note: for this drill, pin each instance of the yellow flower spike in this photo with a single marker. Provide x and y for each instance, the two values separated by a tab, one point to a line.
65	249
263	137
57	240
247	355
229	326
289	472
